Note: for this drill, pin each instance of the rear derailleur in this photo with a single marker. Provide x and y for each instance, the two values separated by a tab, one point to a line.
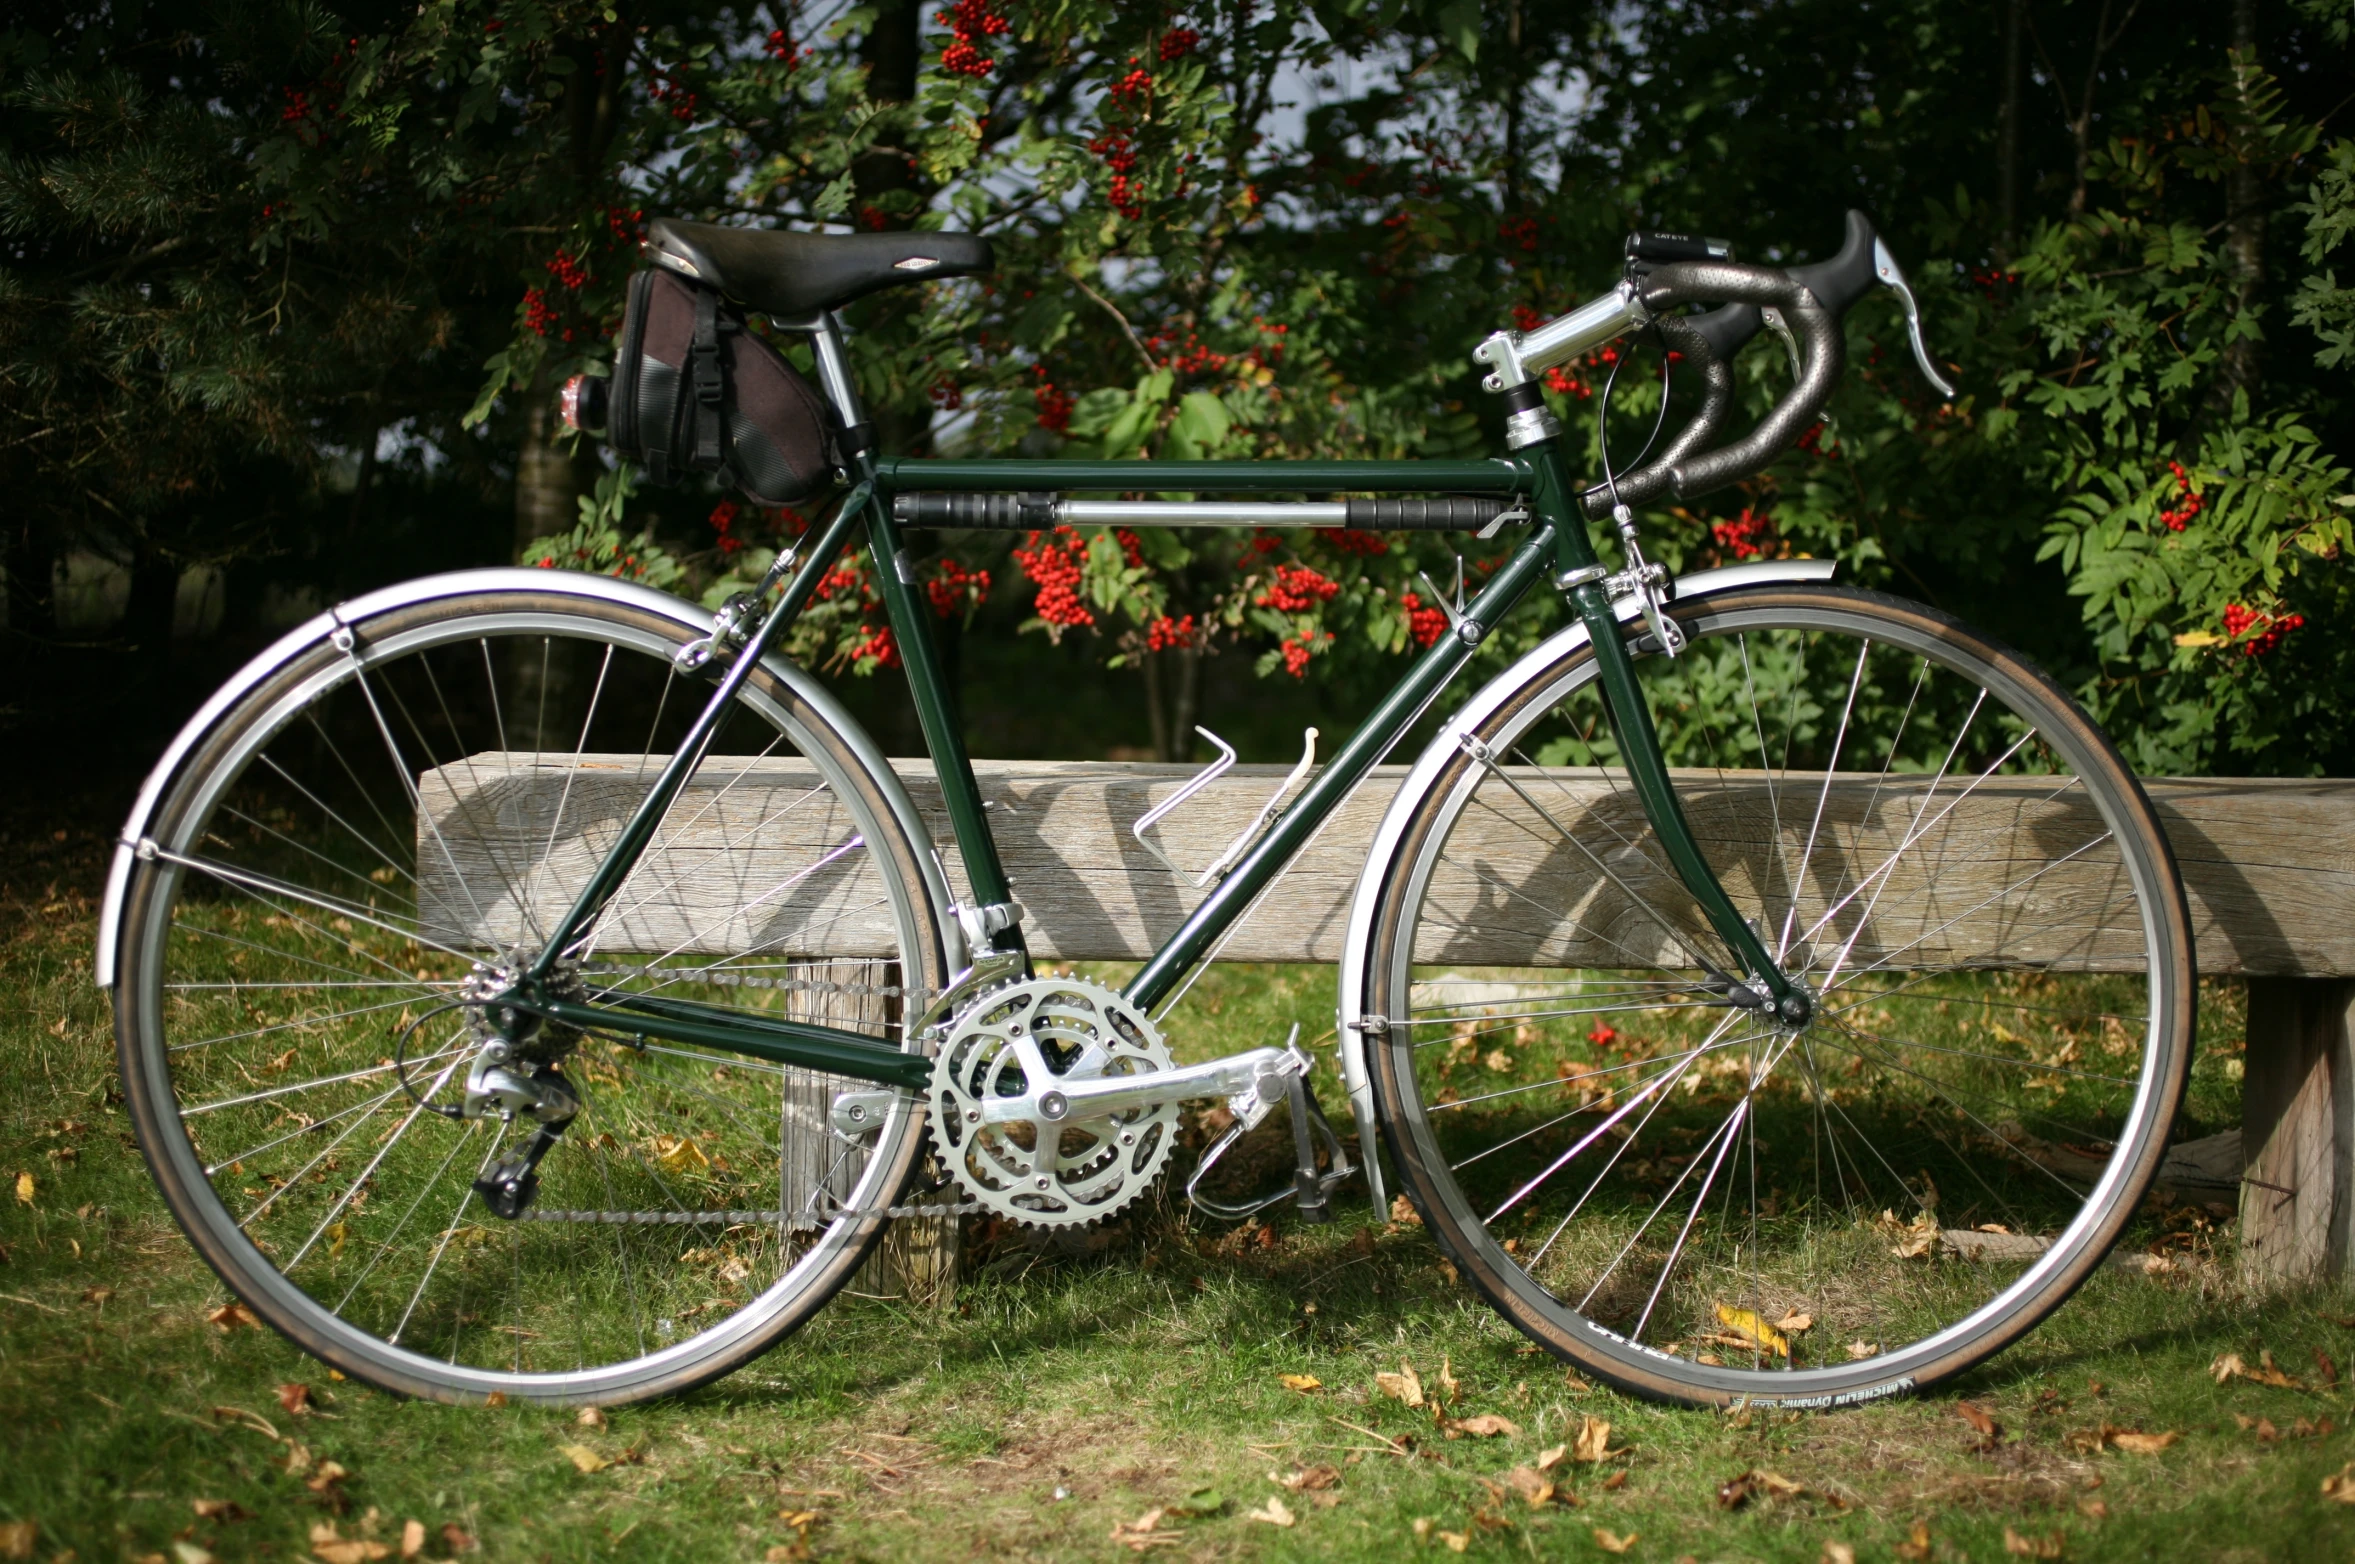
516	1073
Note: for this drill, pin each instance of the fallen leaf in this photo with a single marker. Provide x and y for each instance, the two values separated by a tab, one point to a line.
1990	1432
583	1457
17	1538
1749	1330
1916	1546
1146	1532
232	1314
2226	1367
97	1296
1859	1350
678	1154
296	1398
1838	1553
1310	1480
1275	1513
1592	1441
192	1553
1457	1541
2093	1509
1612	1542
1793	1322
497	1398
1779	1486
298	1458
2047	1547
1486	1426
218	1510
1616	1480
412	1538
1533	1486
2339	1487
2143	1444
2330	1369
1405	1385
2232	1366
24	1196
1448	1384
590	1417
454	1538
328	1544
1403	1212
1304	1383
327	1476
1734	1492
1549	1459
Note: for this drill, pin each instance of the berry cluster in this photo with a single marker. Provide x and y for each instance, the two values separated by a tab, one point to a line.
723	521
1166	634
1054	564
627	226
780	47
1521	231
1179	42
1297	589
953	589
664	87
875	649
1120	155
1527	319
2265	630
972	21
1563	383
1424	621
1990	280
1351	541
947	395
1745	536
568	271
2188	504
1812	441
1054	404
1299	649
538	313
1131	91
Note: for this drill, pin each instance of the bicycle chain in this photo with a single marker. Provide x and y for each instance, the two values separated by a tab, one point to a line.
798	1221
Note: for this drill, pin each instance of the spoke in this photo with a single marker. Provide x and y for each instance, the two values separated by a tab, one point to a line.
417	809
1725	1143
2025	879
304	1086
259	885
1513	1020
449	1232
1831	770
400	1132
364	1105
1564	1080
384	1246
285	1026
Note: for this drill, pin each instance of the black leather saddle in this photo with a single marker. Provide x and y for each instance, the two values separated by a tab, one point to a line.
776	272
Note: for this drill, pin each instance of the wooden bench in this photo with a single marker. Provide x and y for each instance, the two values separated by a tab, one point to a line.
2270	868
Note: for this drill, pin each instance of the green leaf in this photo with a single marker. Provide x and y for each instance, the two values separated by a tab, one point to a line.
1204	420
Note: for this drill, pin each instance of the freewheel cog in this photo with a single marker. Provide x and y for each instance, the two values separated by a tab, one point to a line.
1012	1139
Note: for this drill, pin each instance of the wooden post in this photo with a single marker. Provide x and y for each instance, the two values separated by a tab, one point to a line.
2298	1125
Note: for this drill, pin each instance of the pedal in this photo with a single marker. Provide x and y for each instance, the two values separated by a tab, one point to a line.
1312	1190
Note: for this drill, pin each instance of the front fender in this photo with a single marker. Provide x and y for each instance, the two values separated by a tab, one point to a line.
304	637
1442	749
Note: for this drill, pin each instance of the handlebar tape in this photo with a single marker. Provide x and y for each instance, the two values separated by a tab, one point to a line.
1847	276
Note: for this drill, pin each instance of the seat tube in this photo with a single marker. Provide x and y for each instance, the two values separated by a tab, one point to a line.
1581	577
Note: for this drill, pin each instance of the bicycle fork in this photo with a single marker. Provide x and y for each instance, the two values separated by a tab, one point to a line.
1759	983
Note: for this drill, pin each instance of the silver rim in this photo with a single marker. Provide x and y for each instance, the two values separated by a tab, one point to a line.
376	822
1739	1208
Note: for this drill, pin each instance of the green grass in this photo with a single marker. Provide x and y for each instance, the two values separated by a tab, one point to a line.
1071	1388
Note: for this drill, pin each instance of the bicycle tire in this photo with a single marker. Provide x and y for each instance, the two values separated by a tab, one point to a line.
409	789
1883	1286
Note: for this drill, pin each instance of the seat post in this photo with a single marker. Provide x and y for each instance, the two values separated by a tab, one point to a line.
834	378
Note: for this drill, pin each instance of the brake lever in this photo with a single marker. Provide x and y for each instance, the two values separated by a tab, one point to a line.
1782	328
1885	267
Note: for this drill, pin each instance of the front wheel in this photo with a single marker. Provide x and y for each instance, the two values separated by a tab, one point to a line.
395	813
1687	1197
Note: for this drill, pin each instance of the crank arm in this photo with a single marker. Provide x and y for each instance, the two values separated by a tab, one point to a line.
1234	1076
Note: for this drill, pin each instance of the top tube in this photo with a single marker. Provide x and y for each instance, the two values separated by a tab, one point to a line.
1494	475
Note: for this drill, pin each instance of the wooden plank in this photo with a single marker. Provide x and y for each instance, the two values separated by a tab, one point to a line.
2270	865
2298	1125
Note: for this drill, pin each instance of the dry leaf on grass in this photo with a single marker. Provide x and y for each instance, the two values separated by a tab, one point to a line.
412	1538
222	1510
1549	1459
1304	1383
1146	1532
2045	1547
296	1398
330	1545
1916	1546
454	1538
1612	1542
1593	1441
590	1417
583	1457
1403	1212
1749	1330
1990	1432
327	1476
24	1196
2231	1366
191	1553
2338	1487
2262	1427
1405	1385
2111	1437
1275	1513
1858	1351
1309	1480
232	1314
1533	1486
1486	1426
1617	1480
18	1538
1838	1553
1457	1541
1738	1491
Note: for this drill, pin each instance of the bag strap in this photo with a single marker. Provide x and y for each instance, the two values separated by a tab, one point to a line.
709	390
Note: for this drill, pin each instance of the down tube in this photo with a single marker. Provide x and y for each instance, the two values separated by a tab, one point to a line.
1341	774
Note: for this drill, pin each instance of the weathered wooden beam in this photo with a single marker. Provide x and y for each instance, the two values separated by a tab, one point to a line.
2298	1125
2270	865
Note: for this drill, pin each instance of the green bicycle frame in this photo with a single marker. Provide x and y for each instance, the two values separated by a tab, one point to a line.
1558	547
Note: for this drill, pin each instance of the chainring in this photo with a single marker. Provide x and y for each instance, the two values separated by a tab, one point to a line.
1019	1044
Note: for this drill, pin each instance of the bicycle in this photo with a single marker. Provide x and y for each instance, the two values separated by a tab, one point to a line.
529	984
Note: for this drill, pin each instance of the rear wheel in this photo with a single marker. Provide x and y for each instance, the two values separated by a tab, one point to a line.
389	814
1688	1198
